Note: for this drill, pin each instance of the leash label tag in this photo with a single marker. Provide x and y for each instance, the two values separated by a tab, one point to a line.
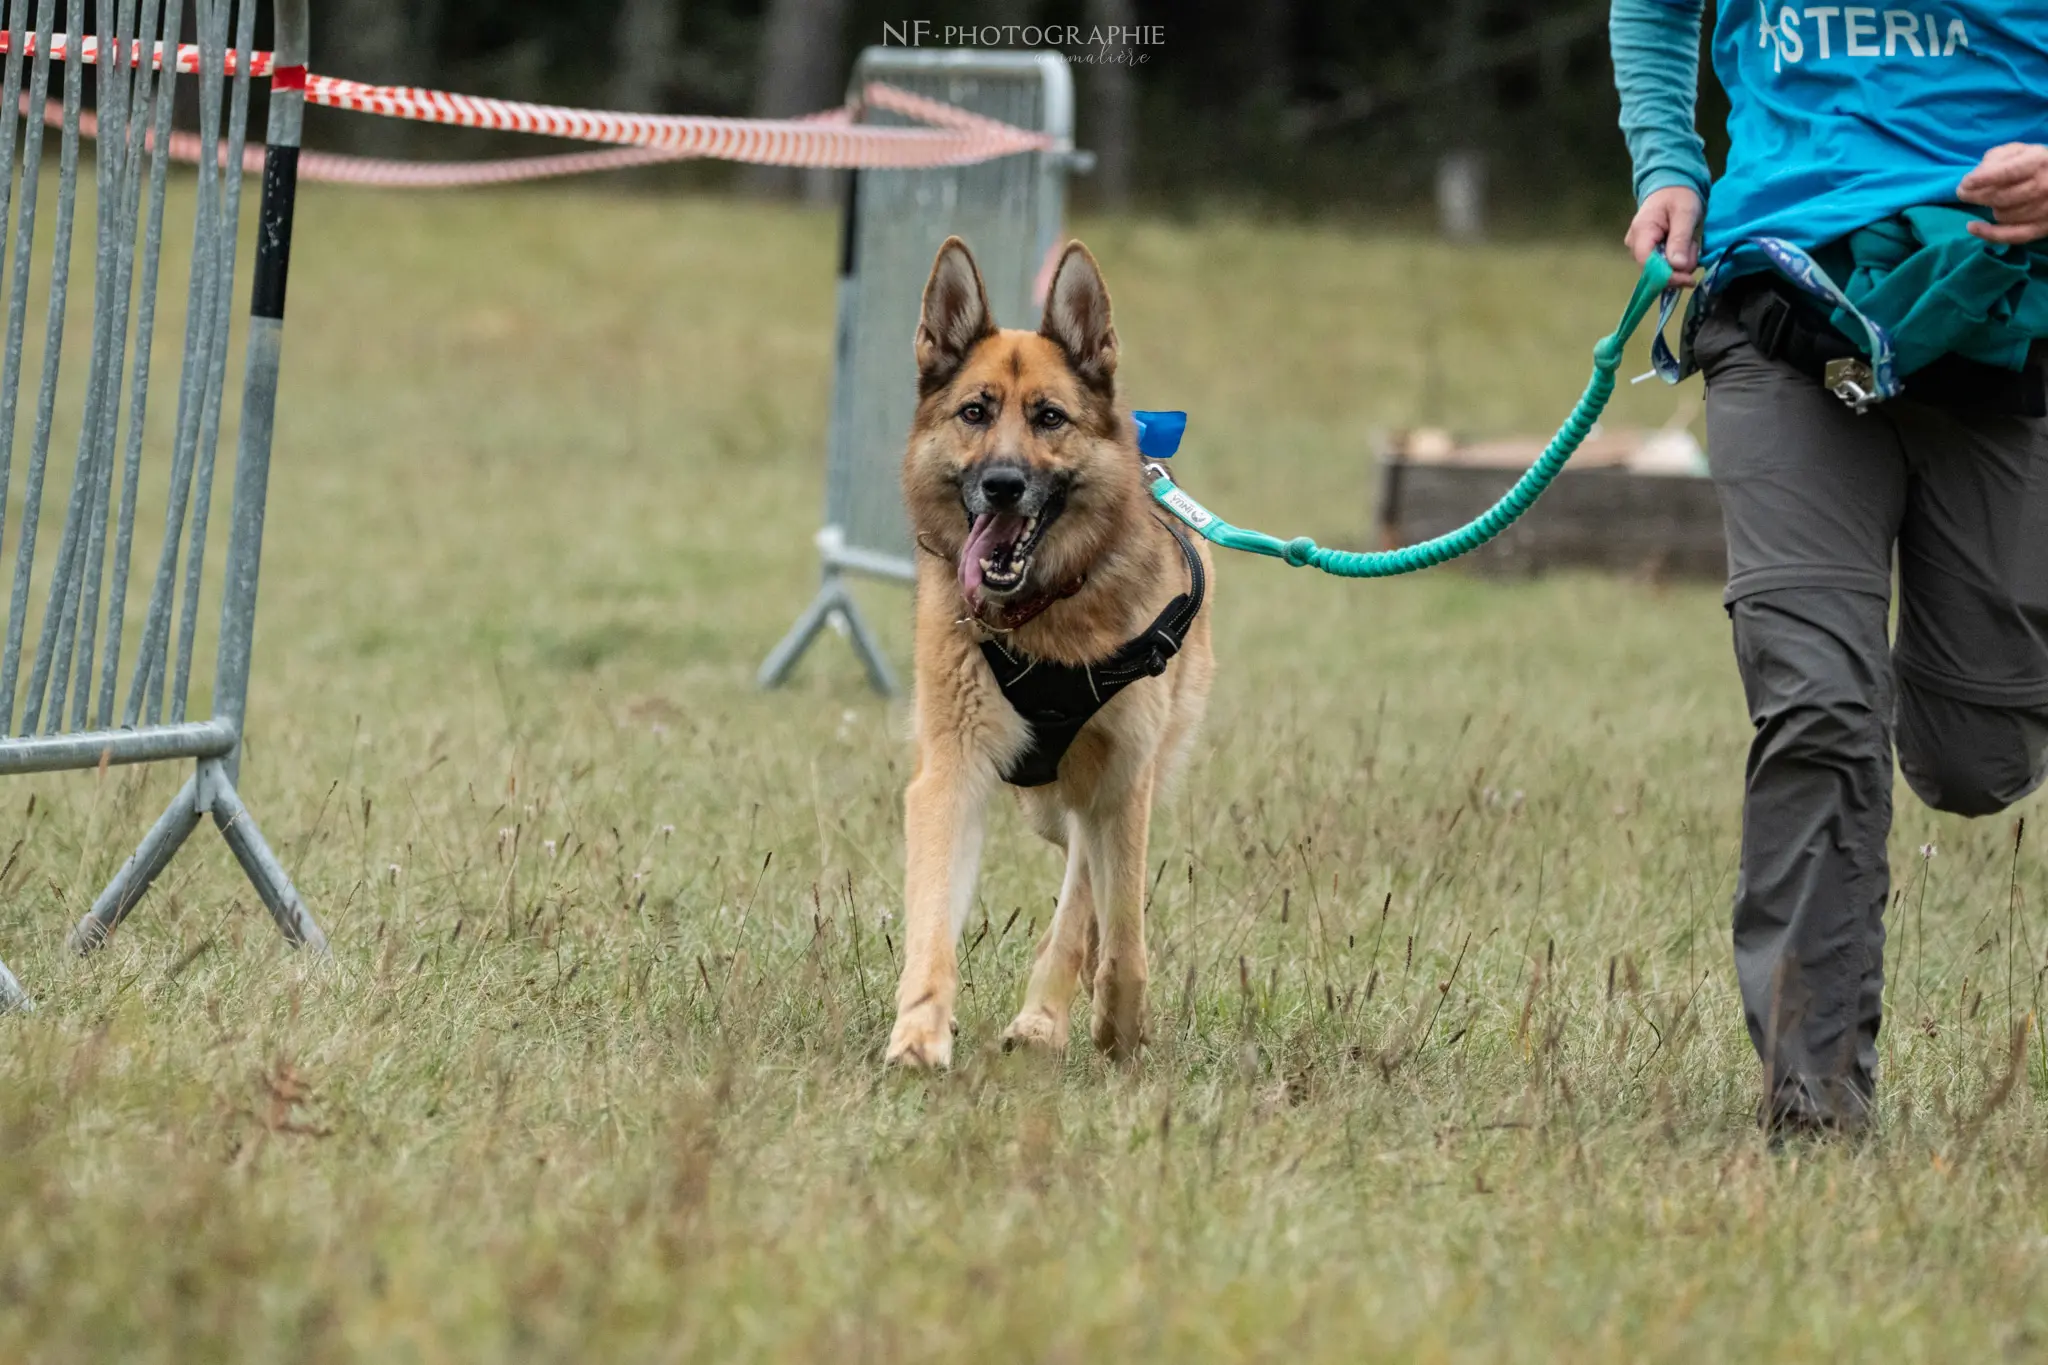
1188	510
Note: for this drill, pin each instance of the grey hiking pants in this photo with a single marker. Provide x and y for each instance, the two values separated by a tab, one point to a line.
1815	498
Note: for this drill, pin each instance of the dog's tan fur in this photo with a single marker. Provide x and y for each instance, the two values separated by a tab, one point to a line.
1111	542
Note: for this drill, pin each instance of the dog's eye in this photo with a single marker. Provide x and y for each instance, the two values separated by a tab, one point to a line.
1052	419
974	414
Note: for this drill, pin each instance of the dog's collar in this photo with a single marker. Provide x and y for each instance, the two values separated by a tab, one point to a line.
1057	700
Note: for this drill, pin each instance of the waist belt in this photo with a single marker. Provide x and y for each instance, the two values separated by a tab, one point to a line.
1056	700
1781	325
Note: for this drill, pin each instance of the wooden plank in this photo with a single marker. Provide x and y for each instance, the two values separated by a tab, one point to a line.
1600	517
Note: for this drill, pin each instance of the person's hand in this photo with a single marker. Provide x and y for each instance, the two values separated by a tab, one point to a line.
1669	218
2011	181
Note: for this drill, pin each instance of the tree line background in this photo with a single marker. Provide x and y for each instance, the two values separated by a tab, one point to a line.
1279	105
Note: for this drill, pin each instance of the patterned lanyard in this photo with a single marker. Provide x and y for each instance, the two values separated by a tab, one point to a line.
1859	382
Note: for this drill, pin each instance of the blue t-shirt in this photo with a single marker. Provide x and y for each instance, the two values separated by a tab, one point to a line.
1841	115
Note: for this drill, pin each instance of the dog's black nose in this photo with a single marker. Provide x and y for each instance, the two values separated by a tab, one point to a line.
1002	486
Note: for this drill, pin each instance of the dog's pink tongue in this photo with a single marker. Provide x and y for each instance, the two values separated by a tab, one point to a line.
989	529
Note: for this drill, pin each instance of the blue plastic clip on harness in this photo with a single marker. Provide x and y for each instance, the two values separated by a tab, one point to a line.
1159	433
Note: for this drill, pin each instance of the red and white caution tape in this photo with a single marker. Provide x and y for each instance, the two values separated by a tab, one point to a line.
337	169
260	63
942	115
761	142
955	137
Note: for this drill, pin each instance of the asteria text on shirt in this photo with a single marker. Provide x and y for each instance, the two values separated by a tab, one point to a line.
1829	31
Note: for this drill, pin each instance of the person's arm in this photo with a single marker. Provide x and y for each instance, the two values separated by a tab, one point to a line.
1656	45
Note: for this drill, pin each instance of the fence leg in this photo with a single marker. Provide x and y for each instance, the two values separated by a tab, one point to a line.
866	645
142	867
294	921
832	598
12	996
210	790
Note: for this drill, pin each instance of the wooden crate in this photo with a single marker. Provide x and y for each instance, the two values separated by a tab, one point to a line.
1629	502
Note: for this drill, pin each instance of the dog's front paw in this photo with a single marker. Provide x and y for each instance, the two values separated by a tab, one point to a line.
922	1038
1037	1029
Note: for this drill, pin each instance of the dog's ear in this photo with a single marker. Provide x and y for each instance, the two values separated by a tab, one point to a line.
955	315
1077	316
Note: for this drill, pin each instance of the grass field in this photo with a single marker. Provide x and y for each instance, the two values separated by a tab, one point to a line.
1448	1058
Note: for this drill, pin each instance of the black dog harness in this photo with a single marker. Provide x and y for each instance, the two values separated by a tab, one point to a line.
1056	700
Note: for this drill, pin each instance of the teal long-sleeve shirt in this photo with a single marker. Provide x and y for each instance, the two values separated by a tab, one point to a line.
1840	115
1850	129
1656	45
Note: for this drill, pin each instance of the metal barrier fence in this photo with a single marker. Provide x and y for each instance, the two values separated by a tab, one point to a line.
90	623
1010	210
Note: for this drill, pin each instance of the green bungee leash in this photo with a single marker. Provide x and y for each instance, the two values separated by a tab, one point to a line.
1159	436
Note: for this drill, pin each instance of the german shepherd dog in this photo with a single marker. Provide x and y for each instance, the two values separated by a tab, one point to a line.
1039	540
